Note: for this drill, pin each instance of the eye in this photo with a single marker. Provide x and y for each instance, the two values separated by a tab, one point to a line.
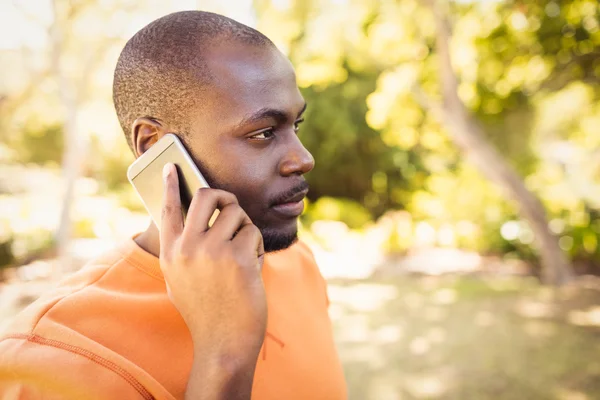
264	135
297	124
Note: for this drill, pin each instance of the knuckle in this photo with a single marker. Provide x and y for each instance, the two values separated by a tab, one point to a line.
232	197
227	196
222	257
243	261
209	252
234	210
239	259
254	231
241	211
228	209
167	210
202	192
184	254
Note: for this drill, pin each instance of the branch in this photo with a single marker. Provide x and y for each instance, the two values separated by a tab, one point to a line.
470	137
11	104
448	77
28	15
464	130
75	9
90	63
427	103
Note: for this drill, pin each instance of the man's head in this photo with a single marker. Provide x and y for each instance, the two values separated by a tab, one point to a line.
232	98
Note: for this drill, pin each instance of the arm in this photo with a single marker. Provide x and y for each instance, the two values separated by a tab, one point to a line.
220	378
213	278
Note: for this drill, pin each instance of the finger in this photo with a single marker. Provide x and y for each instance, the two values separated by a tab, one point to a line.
202	207
171	224
250	239
231	218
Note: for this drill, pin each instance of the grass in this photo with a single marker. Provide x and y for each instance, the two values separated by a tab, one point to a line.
465	338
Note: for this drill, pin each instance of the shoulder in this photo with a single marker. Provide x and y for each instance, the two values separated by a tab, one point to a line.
26	321
297	263
297	256
309	262
305	252
67	336
83	295
312	269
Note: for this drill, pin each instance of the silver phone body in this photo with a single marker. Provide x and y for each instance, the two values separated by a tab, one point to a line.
145	174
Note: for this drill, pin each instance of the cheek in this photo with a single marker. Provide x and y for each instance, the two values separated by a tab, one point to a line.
238	168
251	181
248	179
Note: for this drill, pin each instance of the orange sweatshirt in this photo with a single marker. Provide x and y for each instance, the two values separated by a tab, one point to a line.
110	332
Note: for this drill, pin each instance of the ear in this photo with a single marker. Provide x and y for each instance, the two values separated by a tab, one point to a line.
145	132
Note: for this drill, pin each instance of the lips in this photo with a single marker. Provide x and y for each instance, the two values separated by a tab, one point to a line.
295	198
292	206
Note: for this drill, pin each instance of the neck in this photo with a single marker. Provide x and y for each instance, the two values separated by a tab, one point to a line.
149	240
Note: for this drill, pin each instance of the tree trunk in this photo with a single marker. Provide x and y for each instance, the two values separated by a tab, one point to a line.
71	164
73	89
71	154
468	135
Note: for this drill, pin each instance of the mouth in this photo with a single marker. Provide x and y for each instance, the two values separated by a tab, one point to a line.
292	206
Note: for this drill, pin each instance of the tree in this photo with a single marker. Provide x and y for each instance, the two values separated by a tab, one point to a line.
510	59
470	138
72	62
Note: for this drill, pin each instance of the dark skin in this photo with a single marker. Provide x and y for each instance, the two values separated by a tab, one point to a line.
252	116
245	141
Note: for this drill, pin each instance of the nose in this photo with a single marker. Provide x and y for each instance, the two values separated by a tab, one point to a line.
296	160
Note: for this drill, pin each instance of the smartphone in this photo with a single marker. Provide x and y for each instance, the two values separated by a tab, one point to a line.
145	174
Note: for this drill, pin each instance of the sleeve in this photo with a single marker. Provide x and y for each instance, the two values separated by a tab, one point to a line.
33	369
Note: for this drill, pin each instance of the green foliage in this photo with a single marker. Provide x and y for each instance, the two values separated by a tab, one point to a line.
41	145
352	160
113	172
109	166
528	71
84	228
129	199
35	241
348	211
6	254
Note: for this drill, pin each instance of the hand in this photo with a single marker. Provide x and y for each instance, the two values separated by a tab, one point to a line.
213	275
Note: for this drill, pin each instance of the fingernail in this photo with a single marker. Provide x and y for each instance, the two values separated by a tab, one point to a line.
166	170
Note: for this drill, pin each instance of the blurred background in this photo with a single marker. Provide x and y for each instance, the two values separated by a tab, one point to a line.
455	203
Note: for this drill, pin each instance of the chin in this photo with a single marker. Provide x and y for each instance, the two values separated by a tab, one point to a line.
276	240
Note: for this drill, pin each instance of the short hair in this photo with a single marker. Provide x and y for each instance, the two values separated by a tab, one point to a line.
162	68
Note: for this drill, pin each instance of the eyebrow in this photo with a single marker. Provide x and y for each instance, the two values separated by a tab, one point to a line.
278	115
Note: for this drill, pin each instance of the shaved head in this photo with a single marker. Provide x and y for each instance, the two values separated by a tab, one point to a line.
233	99
162	73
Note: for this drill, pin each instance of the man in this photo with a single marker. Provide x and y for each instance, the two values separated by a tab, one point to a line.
188	312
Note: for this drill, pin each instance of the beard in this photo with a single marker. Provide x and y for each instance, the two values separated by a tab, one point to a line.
274	240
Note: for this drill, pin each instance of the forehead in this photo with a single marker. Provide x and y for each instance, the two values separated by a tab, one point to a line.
248	78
